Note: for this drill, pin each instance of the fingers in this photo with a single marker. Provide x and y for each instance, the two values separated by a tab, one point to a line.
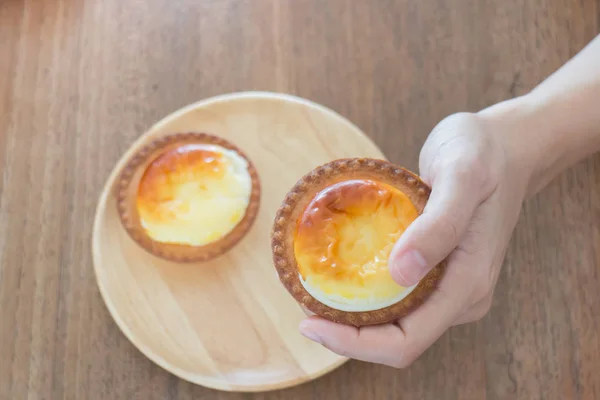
394	345
435	233
382	344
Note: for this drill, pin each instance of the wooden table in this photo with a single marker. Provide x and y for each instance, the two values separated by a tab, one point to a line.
80	80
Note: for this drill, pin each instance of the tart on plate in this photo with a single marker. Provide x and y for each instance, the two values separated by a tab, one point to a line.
334	232
188	197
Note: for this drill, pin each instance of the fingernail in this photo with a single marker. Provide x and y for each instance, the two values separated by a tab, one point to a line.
409	267
306	332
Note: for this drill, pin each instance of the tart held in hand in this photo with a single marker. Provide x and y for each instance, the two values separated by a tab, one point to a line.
188	197
333	235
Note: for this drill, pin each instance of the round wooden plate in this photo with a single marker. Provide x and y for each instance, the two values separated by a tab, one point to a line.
227	324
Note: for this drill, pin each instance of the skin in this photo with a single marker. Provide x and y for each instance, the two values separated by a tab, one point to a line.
481	167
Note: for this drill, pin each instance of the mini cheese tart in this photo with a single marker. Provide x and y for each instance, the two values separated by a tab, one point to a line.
188	197
334	233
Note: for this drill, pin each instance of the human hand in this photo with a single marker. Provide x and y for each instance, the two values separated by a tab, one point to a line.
479	180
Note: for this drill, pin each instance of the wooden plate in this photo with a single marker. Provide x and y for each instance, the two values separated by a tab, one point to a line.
227	324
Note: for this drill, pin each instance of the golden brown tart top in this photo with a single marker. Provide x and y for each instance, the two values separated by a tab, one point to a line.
188	197
334	233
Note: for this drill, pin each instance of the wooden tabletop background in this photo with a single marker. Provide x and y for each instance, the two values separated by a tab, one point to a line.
81	79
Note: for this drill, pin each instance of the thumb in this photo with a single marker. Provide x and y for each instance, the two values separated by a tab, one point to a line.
436	232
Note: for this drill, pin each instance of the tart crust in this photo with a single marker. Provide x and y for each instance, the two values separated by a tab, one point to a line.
127	189
282	235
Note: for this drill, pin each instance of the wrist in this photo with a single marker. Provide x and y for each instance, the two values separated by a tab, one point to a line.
543	136
514	122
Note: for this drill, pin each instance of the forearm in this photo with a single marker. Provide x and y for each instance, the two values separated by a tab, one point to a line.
558	123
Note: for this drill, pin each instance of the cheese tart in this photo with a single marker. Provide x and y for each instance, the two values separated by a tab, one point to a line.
333	234
188	197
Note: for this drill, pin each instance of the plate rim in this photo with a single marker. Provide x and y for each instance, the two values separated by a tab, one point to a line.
210	383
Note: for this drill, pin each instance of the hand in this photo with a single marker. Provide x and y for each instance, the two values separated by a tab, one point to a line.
478	186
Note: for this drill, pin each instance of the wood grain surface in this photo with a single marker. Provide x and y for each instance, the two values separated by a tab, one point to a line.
80	80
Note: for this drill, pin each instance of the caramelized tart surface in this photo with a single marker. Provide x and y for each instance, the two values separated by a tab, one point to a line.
343	241
194	194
